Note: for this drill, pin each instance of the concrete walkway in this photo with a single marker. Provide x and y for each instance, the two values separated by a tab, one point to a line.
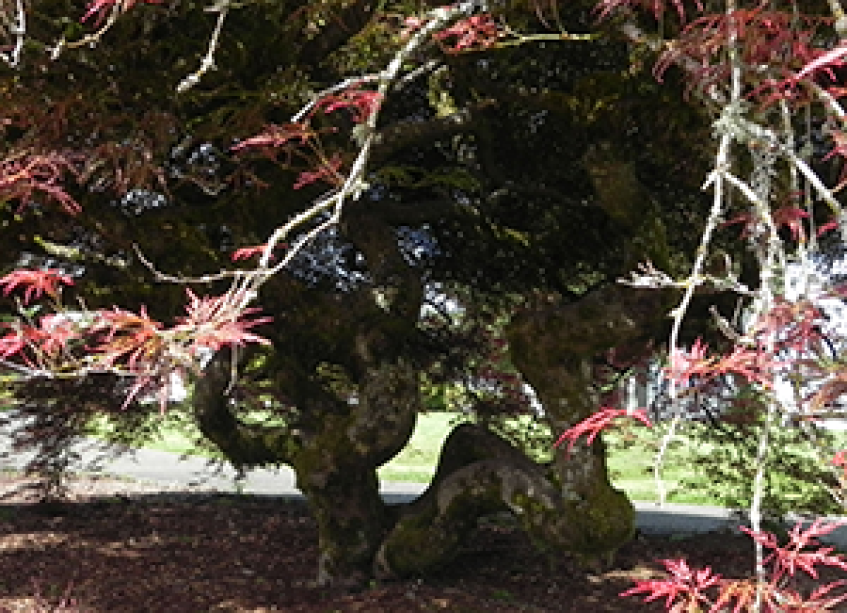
173	471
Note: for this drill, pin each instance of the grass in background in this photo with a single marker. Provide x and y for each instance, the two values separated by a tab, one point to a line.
170	432
416	463
630	457
631	460
631	453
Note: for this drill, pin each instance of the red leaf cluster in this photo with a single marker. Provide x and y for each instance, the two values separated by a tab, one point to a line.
35	283
694	367
218	321
25	176
361	103
132	343
789	217
328	171
301	139
770	38
276	136
687	590
684	590
126	338
37	346
476	32
592	426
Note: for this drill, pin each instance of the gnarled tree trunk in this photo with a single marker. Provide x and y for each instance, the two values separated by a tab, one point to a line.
335	462
556	348
570	505
337	447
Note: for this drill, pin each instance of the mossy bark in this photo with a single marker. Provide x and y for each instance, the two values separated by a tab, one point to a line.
478	474
353	409
336	471
556	348
568	506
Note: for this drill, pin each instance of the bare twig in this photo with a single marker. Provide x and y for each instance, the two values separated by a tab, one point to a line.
207	63
88	39
16	27
838	14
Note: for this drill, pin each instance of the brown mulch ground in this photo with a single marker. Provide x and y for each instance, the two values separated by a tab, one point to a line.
118	546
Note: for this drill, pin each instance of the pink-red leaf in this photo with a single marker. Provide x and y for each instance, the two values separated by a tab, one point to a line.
683	583
218	321
35	282
592	426
362	103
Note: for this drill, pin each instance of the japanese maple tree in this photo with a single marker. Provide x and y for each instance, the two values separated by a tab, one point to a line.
768	74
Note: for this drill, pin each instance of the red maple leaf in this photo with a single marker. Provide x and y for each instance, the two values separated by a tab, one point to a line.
24	176
328	171
57	330
592	426
274	136
752	363
36	282
362	103
683	583
17	341
245	253
475	32
130	338
788	216
218	321
828	227
686	365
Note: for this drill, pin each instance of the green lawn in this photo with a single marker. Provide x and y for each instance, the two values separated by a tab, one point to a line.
416	463
631	468
631	458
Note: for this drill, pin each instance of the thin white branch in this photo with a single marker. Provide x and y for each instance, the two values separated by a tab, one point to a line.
338	87
181	279
90	39
354	184
716	180
647	276
17	28
207	63
828	99
659	460
837	11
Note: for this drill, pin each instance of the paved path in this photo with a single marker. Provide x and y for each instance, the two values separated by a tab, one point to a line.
173	471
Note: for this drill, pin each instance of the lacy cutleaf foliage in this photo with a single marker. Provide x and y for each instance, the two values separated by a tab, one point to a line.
689	589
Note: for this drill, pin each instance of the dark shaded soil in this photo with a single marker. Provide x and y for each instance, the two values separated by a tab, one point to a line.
120	547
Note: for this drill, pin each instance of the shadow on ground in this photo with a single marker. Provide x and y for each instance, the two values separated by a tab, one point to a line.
221	552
